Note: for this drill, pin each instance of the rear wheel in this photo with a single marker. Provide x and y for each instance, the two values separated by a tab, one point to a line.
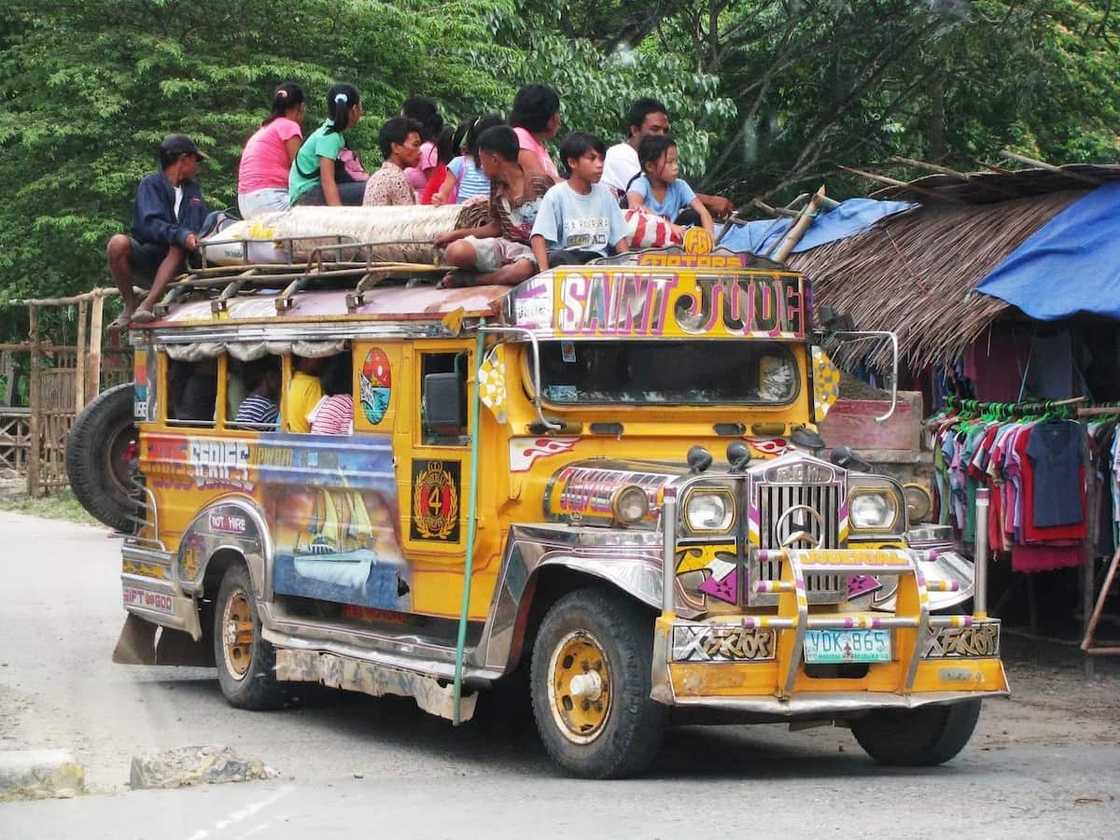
590	686
246	662
920	737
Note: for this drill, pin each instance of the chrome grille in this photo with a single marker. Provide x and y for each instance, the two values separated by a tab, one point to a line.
773	500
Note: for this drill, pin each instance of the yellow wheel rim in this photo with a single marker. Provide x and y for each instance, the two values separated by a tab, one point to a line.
237	634
579	687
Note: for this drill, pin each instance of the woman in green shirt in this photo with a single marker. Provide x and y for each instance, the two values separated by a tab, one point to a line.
312	177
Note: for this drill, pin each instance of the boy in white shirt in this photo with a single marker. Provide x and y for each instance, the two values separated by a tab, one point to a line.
578	220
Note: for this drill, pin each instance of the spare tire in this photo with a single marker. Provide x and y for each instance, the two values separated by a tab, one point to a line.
100	458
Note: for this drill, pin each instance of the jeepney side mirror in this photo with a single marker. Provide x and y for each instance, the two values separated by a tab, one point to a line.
444	409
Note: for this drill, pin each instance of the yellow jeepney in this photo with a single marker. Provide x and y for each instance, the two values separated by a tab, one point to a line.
607	479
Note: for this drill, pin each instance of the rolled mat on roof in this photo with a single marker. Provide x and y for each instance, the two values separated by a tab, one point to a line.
400	234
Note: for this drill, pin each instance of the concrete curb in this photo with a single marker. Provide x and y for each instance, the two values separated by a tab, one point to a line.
40	774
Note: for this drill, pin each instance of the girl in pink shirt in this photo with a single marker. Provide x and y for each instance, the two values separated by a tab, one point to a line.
262	179
536	118
425	112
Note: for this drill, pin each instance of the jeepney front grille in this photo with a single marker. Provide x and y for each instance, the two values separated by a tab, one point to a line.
773	500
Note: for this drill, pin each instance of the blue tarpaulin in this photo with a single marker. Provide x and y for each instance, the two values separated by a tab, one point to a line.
849	218
1069	265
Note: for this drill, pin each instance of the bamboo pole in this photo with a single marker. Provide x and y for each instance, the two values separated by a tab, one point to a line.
1098	610
952	173
1049	167
93	378
66	301
797	230
35	398
894	182
80	360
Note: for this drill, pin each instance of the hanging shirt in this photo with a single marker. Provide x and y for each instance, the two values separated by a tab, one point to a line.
1055	452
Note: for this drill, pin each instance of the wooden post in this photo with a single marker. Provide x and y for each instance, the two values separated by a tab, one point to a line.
35	398
80	360
93	378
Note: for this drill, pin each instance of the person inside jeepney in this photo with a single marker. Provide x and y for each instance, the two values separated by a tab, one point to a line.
535	118
647	117
304	392
659	189
465	179
168	216
334	413
498	253
194	390
314	178
262	176
400	142
579	220
425	112
261	405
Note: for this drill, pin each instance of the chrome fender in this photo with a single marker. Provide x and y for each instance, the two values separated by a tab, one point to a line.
234	523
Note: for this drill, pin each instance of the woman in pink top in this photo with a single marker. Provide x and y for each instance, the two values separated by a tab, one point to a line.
425	112
536	118
262	179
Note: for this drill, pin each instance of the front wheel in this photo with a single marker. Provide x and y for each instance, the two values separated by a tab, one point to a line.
590	686
246	662
920	737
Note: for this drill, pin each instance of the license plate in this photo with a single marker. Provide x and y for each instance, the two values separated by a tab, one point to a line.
156	601
831	646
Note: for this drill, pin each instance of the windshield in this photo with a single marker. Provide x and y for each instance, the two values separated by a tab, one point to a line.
680	372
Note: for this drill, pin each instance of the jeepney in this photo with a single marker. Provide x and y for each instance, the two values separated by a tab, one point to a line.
606	480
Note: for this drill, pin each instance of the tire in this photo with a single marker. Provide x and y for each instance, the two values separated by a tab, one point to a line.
581	629
246	670
922	737
99	459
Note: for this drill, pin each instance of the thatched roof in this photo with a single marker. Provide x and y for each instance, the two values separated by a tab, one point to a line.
915	273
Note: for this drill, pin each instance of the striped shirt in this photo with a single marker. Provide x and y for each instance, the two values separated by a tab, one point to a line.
472	181
333	416
258	409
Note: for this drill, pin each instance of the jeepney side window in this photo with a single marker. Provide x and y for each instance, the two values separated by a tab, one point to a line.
443	402
253	393
192	389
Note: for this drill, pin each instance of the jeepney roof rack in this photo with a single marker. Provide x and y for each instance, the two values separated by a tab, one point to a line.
347	263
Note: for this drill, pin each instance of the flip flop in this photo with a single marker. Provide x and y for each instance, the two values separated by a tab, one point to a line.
143	316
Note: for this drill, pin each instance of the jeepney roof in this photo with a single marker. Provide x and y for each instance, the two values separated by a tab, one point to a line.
658	294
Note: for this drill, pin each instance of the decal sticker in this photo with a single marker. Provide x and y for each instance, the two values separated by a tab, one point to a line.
435	500
228	521
717	643
142	598
220	463
724	582
525	451
332	510
144	380
952	642
375	385
862	585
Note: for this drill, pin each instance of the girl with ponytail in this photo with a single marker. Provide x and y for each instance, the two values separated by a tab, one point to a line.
262	178
314	178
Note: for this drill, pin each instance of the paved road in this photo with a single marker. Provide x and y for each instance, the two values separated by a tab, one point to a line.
1044	763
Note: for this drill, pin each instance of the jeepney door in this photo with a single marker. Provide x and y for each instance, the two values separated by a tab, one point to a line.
433	472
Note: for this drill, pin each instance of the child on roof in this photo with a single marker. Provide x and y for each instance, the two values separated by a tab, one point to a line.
659	189
465	179
579	220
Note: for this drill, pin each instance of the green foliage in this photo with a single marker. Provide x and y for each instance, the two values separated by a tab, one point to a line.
766	96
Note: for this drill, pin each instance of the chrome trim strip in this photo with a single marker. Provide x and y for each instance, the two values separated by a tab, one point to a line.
841	703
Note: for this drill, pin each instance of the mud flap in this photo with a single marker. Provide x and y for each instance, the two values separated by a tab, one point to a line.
176	647
136	645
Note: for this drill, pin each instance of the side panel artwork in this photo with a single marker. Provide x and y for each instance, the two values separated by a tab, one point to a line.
436	499
333	507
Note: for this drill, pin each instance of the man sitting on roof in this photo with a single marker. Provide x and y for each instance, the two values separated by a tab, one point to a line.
167	216
647	117
499	250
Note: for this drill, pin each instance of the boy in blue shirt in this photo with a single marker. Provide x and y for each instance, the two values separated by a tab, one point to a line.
578	220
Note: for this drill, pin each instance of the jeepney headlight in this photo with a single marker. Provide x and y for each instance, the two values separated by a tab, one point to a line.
630	505
709	512
872	511
919	504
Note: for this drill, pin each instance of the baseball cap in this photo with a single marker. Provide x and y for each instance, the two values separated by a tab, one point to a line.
179	144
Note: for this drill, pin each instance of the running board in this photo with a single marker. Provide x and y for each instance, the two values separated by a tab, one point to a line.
355	674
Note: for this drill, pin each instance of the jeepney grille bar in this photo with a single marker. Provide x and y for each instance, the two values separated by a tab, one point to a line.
773	500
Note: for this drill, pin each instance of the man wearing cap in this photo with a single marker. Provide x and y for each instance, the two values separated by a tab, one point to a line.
168	214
